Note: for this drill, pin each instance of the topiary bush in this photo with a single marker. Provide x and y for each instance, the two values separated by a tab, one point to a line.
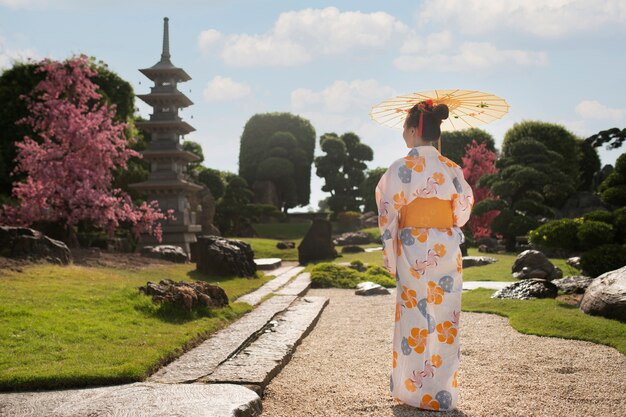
348	220
602	259
594	233
325	275
600	216
561	234
620	225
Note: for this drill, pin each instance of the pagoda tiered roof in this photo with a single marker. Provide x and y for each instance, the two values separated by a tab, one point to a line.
174	97
180	127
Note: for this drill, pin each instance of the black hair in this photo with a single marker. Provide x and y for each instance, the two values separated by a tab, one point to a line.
433	115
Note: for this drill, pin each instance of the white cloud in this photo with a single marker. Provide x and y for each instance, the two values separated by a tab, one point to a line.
471	55
209	39
548	18
439	41
341	97
8	56
25	4
299	36
225	89
592	109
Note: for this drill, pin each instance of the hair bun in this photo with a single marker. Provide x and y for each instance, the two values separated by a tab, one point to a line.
441	111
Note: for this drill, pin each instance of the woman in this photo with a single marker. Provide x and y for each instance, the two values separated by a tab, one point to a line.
423	200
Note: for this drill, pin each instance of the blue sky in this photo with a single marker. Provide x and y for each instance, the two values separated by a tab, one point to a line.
560	61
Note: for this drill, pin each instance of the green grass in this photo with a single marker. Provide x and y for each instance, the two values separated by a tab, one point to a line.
548	317
282	231
266	248
76	326
499	271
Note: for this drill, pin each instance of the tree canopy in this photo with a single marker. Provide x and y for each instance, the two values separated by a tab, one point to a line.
343	170
279	147
19	80
454	143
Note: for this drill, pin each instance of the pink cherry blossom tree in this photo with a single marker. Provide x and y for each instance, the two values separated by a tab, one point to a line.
69	168
478	161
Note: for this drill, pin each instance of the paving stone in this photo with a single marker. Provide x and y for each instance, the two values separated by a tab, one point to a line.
299	286
267	263
203	359
281	279
139	399
265	357
494	285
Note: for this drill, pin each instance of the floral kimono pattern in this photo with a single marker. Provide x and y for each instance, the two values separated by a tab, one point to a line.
427	264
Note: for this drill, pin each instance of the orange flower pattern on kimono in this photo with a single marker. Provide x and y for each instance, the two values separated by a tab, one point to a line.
427	265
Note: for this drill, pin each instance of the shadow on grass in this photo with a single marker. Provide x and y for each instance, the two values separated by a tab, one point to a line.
201	276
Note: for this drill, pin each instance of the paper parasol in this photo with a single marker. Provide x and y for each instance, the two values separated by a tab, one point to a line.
467	108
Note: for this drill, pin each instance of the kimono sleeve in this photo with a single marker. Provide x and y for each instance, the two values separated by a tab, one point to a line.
463	201
388	219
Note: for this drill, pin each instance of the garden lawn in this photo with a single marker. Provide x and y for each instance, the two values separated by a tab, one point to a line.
548	317
76	326
499	271
266	248
282	231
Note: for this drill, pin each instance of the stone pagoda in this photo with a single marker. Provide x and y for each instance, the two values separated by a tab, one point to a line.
167	181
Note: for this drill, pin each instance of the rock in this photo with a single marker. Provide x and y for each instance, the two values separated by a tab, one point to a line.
534	264
317	243
606	295
369	219
528	289
469	261
352	249
370	288
186	295
170	253
203	203
25	243
579	203
574	262
286	244
353	238
573	284
215	255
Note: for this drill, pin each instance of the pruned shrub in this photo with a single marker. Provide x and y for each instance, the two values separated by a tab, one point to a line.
561	234
602	259
594	233
325	275
600	216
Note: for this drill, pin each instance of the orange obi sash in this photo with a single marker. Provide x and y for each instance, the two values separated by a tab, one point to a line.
427	212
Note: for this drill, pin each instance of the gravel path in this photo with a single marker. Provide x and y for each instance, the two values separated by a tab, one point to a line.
342	368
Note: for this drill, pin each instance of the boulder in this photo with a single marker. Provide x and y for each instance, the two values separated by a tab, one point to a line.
285	244
25	243
469	261
534	264
170	253
579	203
528	289
215	255
317	243
369	219
573	284
606	295
186	295
353	238
352	249
370	288
574	262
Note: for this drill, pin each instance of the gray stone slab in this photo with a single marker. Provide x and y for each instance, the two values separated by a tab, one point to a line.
255	297
139	399
376	249
265	357
203	359
494	285
267	263
299	286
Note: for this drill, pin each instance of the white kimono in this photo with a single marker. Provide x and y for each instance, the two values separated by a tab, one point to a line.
427	264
